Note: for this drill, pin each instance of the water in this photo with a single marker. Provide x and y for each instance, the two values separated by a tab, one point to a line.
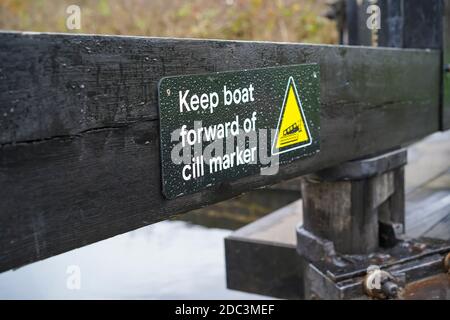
167	260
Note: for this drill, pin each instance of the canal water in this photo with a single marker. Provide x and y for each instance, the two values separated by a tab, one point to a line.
172	259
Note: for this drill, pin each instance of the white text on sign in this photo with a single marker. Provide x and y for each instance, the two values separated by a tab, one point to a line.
210	100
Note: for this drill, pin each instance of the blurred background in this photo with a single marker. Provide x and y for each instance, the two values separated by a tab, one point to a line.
269	20
182	258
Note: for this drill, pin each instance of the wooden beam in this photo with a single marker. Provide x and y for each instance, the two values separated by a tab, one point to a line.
79	138
406	24
445	111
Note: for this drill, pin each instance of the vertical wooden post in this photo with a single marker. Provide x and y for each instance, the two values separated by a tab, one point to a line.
404	23
350	204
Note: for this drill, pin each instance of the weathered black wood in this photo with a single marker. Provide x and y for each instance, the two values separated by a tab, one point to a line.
264	268
445	111
62	85
261	257
348	212
358	205
353	29
393	211
391	32
404	23
365	168
420	24
79	155
411	24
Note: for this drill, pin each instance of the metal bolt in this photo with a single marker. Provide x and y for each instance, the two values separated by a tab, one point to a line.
380	284
390	289
447	262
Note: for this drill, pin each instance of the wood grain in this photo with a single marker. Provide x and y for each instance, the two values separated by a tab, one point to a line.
79	138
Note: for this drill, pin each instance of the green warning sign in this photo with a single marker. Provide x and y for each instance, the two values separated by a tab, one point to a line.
219	127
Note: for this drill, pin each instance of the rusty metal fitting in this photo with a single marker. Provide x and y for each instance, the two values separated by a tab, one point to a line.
380	284
447	262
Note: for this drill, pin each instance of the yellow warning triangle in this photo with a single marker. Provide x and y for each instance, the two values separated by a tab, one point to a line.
292	130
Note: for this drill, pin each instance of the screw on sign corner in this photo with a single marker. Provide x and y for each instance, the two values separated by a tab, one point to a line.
380	284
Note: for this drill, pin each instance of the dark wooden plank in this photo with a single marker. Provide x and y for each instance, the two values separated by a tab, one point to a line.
262	258
391	32
79	154
355	31
268	269
445	112
404	23
419	24
347	212
422	24
55	85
